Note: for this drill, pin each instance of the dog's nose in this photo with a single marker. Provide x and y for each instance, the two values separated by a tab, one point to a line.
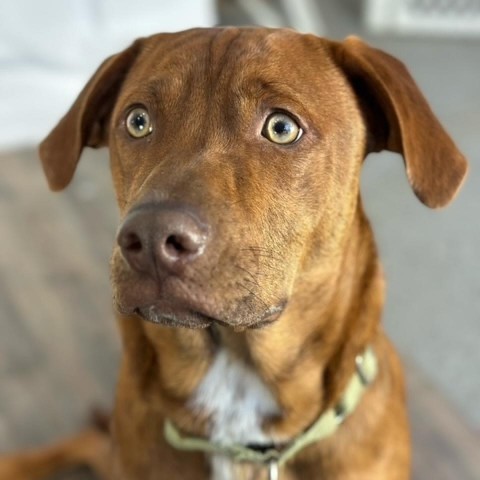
156	239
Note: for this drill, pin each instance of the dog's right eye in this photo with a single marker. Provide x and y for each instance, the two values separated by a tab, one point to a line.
139	123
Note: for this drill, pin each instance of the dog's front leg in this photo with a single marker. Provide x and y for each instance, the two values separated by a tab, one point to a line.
89	448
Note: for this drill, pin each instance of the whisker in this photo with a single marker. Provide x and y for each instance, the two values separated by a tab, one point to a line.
253	294
250	274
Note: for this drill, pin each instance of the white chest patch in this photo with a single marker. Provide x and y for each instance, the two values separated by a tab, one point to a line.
237	401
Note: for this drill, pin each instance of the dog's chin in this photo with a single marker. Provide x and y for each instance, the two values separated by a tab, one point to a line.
182	318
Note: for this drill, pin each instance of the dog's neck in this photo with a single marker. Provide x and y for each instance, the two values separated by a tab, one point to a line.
301	363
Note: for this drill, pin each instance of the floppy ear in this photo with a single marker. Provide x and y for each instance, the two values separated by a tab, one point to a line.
86	123
399	119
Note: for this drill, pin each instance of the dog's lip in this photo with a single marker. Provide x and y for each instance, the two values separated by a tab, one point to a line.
270	316
173	317
187	319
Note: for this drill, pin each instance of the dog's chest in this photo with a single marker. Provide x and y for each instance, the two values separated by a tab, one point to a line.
236	401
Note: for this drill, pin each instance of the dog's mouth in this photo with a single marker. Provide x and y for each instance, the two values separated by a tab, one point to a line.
196	303
162	313
173	317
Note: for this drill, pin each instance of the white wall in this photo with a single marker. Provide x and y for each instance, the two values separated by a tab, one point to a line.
49	48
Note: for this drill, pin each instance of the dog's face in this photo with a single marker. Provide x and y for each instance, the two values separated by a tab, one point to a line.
235	156
239	139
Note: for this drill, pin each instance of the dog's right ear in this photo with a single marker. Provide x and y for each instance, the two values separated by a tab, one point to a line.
86	123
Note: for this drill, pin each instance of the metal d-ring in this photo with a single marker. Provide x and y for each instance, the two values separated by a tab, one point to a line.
273	470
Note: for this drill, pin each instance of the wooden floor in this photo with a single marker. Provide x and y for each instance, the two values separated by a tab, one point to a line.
58	343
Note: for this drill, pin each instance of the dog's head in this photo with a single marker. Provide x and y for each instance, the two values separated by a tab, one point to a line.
235	156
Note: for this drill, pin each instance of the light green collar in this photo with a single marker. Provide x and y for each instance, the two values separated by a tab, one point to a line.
326	425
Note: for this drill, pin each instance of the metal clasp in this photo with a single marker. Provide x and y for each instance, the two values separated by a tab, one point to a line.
273	470
362	366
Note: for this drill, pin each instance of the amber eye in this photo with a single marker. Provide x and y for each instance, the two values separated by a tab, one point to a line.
281	128
138	123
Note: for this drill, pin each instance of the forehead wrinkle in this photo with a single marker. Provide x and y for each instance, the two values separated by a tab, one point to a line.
274	88
211	59
271	93
165	90
220	54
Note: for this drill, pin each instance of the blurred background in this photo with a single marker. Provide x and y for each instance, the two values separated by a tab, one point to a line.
58	343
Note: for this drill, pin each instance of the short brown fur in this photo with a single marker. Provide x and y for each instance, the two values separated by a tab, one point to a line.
292	275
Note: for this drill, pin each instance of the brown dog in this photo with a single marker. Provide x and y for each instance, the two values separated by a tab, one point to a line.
236	156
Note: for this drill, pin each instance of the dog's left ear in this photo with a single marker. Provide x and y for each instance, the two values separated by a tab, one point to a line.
399	119
85	124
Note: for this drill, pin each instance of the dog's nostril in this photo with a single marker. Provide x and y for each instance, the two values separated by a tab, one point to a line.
175	245
134	247
181	246
131	243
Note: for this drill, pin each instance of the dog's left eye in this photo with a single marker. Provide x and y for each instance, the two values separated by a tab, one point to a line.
281	128
138	123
